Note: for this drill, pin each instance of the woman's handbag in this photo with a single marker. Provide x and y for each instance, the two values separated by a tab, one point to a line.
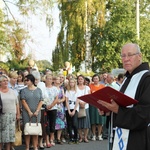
18	135
33	128
82	112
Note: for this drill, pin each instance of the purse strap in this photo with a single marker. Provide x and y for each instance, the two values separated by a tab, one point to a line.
31	121
18	125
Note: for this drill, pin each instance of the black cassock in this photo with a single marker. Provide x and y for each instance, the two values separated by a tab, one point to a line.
137	118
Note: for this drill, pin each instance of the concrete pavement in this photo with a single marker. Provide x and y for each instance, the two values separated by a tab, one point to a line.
92	145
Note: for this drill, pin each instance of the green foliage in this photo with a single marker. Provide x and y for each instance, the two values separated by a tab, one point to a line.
16	40
37	7
4	40
43	65
119	29
21	65
112	24
4	66
86	74
144	41
13	36
71	38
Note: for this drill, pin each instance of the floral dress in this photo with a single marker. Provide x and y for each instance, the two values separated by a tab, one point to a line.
8	117
60	118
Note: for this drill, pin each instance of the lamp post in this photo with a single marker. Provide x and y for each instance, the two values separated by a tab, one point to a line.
137	20
87	41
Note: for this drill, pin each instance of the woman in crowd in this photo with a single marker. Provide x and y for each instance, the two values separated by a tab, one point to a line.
51	105
3	71
83	123
20	80
42	86
87	81
60	119
10	113
63	85
31	98
13	82
62	81
72	108
95	118
25	73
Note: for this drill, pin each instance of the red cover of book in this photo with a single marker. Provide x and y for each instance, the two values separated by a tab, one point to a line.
106	94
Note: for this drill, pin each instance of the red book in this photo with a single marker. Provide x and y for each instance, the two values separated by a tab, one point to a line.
106	94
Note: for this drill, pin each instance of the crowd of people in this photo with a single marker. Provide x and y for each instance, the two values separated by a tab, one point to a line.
52	100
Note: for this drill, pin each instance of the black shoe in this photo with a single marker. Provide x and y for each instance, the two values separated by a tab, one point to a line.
41	147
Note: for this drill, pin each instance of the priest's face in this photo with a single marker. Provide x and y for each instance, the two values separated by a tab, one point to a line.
131	57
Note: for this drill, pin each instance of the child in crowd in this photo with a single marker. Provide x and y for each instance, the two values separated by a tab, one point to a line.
72	108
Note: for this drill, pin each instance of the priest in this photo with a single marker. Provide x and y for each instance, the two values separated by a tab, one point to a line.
131	124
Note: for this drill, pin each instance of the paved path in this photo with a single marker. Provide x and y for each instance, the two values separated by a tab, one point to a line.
92	145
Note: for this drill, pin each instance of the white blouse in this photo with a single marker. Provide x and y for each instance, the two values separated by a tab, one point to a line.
83	92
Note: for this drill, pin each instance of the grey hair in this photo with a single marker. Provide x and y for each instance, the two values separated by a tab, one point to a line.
137	47
111	76
36	74
2	77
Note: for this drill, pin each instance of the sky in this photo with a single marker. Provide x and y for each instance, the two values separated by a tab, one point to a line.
43	42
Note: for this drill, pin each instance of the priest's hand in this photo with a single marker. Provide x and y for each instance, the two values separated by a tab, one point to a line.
113	106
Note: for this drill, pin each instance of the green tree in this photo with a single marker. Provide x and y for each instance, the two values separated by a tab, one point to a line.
21	65
43	65
4	44
13	36
71	38
144	41
120	28
16	39
112	24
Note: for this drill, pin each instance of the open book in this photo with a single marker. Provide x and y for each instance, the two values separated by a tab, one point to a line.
106	94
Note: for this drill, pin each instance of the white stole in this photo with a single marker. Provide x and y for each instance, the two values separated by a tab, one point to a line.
121	135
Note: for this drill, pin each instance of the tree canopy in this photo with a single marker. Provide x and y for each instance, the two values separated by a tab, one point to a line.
110	24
